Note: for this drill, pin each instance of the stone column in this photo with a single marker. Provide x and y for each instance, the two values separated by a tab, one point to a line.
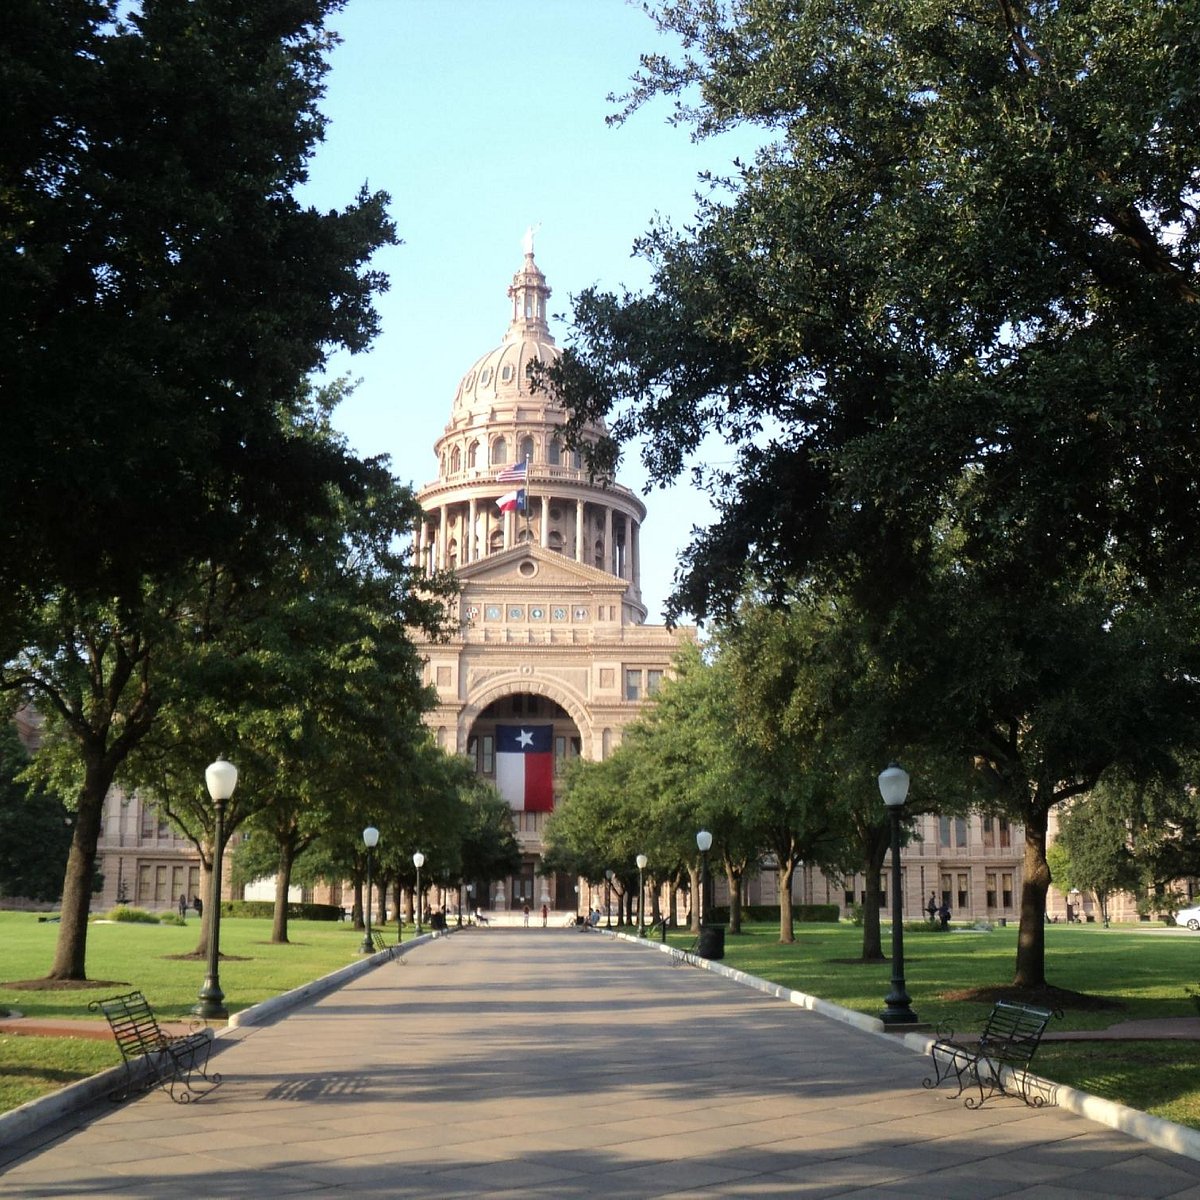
635	559
442	537
545	539
472	517
579	531
609	557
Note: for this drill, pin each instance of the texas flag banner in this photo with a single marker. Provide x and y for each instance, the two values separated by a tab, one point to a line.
512	501
525	766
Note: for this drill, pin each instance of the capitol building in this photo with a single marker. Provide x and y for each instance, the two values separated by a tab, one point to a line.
552	653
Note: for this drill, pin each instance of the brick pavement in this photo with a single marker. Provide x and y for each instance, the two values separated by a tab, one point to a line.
546	1063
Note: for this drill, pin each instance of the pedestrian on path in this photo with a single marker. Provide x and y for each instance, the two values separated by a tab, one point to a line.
932	907
183	904
526	912
545	915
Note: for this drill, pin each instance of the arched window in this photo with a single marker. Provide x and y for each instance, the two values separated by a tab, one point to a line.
600	553
555	540
554	452
577	460
527	449
452	554
499	452
496	541
455	461
473	454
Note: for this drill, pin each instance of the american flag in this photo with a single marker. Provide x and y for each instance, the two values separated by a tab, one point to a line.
513	474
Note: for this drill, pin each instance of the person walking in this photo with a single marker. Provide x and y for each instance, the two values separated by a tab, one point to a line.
932	907
545	915
525	910
182	904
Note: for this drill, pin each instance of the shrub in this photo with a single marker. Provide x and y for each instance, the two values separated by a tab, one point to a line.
123	912
171	918
266	909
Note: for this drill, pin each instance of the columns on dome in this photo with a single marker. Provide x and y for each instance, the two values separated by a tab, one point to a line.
610	559
545	539
472	551
635	557
443	538
579	530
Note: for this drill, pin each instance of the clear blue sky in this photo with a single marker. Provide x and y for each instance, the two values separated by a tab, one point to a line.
481	118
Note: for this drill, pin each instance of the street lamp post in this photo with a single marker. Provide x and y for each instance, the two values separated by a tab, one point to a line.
641	861
370	840
221	778
703	844
471	899
418	862
608	899
893	787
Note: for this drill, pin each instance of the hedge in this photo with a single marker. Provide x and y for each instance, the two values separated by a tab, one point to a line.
266	908
808	913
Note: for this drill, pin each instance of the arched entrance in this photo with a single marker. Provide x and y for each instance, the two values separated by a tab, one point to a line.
522	743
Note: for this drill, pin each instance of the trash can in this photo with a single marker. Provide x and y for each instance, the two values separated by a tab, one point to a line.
712	942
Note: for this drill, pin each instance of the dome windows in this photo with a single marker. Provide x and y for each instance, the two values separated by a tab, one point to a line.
485	376
499	452
507	372
554	452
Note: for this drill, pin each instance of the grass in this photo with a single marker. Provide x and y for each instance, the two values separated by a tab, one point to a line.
1143	972
131	955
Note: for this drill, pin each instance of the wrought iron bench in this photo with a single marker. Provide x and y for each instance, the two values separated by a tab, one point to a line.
391	949
997	1060
153	1058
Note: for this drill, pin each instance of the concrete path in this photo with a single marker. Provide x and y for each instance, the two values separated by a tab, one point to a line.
549	1063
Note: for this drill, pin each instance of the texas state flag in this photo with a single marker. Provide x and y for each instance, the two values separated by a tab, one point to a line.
525	766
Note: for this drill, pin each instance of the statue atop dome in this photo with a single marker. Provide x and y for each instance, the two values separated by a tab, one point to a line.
527	240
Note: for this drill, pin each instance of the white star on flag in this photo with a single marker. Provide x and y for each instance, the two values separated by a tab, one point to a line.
525	738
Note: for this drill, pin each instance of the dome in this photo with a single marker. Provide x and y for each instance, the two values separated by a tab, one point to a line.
499	377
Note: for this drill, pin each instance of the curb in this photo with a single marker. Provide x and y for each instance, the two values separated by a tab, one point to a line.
1179	1139
34	1115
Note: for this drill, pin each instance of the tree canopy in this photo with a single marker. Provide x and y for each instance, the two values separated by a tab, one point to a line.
163	293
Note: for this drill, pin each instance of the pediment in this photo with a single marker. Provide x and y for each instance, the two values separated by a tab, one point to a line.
529	566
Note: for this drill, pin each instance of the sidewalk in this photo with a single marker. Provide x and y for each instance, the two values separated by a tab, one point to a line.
548	1064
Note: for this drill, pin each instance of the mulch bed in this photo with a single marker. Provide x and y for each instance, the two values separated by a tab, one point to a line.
1041	997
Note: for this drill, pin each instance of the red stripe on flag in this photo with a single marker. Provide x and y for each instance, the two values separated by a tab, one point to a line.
539	782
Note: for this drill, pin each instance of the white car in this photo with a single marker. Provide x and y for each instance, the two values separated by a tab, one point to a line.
1189	917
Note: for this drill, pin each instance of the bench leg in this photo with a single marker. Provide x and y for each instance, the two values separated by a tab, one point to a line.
181	1063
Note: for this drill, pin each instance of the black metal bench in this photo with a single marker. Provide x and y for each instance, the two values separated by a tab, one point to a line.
391	949
997	1060
152	1058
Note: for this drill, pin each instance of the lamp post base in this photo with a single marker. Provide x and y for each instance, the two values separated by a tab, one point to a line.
899	1010
210	1004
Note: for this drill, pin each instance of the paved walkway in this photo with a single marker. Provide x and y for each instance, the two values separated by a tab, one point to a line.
547	1063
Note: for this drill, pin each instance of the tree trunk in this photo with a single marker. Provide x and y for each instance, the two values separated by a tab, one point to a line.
787	928
733	876
283	880
877	839
70	950
694	901
356	912
1031	940
673	901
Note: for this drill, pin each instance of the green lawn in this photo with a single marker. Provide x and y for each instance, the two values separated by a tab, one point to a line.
143	956
1144	970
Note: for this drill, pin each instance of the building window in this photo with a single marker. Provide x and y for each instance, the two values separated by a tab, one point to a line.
1006	879
946	893
176	882
554	452
145	880
991	889
499	452
483	751
943	831
455	461
960	832
473	454
989	834
633	685
527	449
654	680
147	822
964	894
160	885
1005	833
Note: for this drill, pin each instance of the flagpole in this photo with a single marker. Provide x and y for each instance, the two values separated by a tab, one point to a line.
528	535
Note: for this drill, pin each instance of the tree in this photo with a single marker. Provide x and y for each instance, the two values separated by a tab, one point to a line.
163	299
162	292
1094	851
947	316
35	829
